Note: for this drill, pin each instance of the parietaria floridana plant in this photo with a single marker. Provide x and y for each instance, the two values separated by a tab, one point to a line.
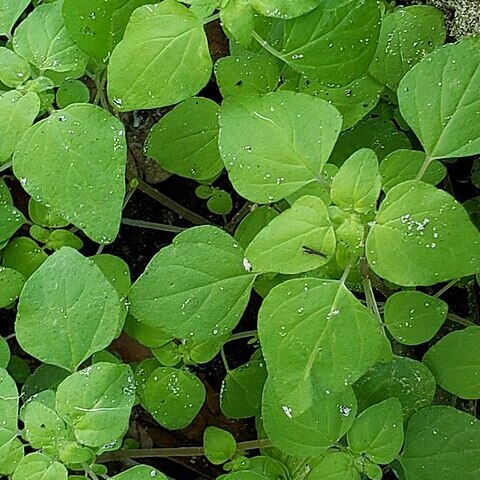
239	234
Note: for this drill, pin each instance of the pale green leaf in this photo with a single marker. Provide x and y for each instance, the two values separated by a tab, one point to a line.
335	466
168	47
253	223
455	363
404	378
82	151
298	240
314	431
24	255
275	144
69	295
140	472
96	402
407	35
219	445
18	113
37	466
378	431
174	397
333	46
185	140
441	442
43	40
422	236
11	284
414	317
241	393
14	70
439	99
4	353
357	184
11	220
285	8
8	404
402	165
10	12
189	296
11	453
306	328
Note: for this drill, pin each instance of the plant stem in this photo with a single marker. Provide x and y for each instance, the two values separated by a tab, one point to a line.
239	216
242	335
369	294
446	287
214	17
175	452
461	321
424	167
6	166
224	360
152	226
267	46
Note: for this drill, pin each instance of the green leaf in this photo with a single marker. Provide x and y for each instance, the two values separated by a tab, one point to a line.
354	100
18	113
335	466
116	271
241	394
4	353
9	13
8	406
73	454
11	284
43	426
24	255
185	140
406	37
37	466
285	8
96	402
171	32
243	475
455	363
275	144
333	46
82	151
378	134
45	377
185	294
44	216
5	195
14	70
402	165
253	223
43	40
140	472
357	184
72	91
404	378
298	240
414	317
415	232
174	397
314	431
11	453
441	442
219	445
220	202
378	431
439	100
247	72
70	295
11	220
305	329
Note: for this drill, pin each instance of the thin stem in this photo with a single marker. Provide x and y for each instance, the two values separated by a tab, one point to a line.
168	202
239	216
346	272
428	160
267	46
211	19
89	472
369	294
461	321
242	335
446	287
6	166
128	197
175	452
163	227
9	337
224	360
